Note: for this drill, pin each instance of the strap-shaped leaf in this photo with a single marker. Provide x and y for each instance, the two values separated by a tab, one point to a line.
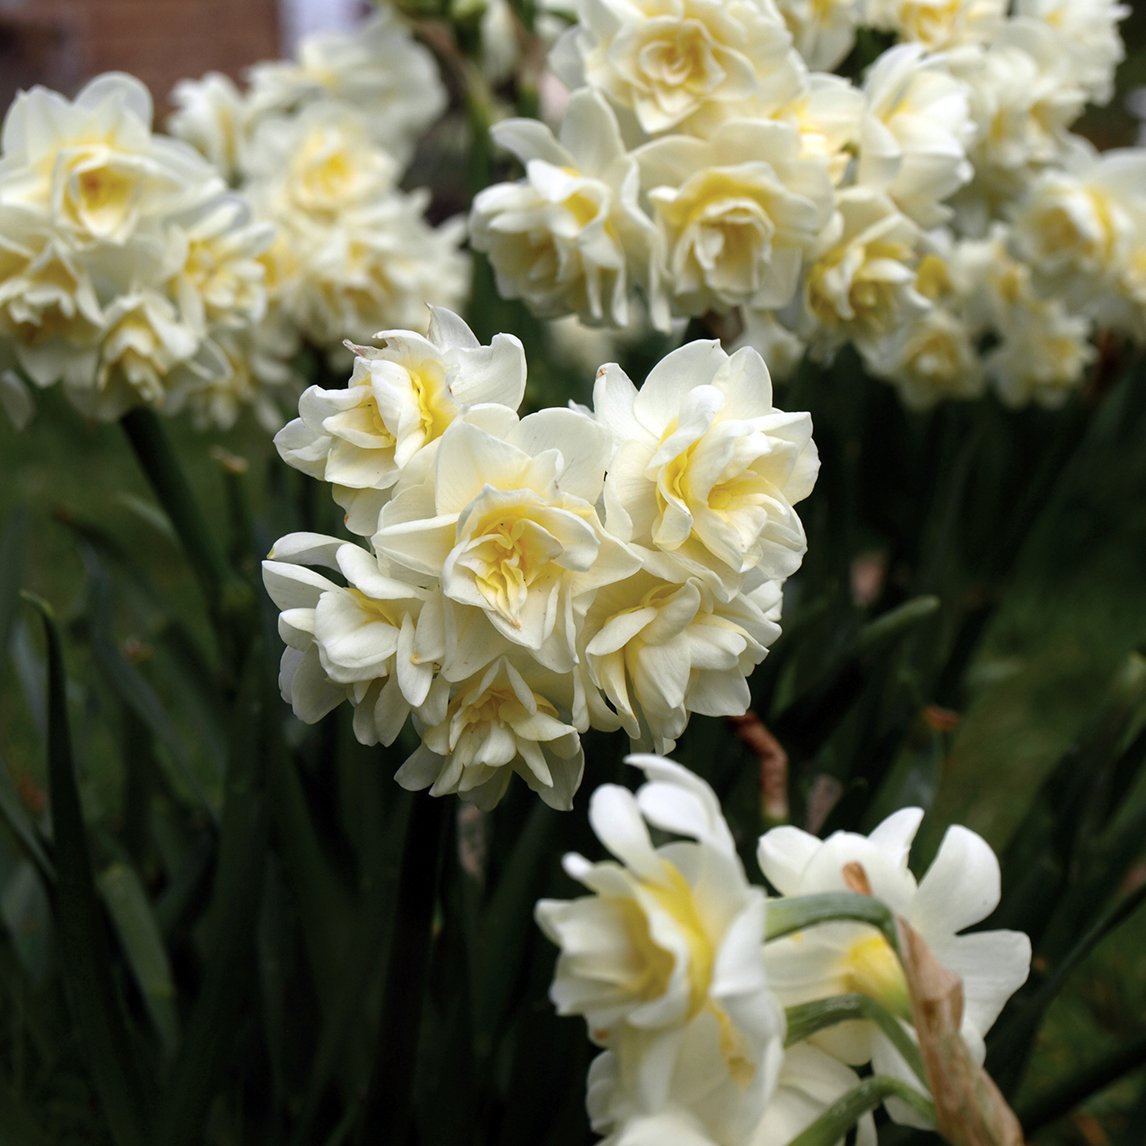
85	956
142	944
207	1046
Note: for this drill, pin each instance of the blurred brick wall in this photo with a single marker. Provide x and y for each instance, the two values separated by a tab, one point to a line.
62	43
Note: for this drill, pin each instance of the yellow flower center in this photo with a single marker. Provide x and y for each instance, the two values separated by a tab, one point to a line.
434	408
376	610
872	969
655	964
100	197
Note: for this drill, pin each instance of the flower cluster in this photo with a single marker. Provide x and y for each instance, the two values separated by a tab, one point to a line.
530	577
667	960
710	163
126	266
320	144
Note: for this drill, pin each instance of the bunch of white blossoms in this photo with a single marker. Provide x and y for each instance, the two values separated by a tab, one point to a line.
530	577
126	266
707	165
320	145
667	959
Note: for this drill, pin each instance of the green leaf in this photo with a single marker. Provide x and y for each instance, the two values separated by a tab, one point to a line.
208	1044
361	964
389	1112
85	958
11	564
24	829
810	719
1060	1098
230	599
20	1129
498	964
133	689
323	900
139	936
27	914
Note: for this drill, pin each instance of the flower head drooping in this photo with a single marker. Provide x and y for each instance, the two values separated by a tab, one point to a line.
959	889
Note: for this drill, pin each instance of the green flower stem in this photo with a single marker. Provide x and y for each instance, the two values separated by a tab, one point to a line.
805	1019
229	598
797	912
843	1114
390	1100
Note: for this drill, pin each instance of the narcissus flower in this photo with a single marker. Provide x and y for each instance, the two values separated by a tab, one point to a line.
125	261
662	649
705	468
509	524
961	888
570	237
401	397
503	721
665	956
737	212
678	63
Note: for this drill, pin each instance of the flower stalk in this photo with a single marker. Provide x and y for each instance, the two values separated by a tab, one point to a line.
805	1019
842	1115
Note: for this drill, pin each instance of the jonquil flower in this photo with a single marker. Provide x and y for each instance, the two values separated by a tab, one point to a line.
666	953
508	522
674	62
737	212
401	397
570	237
961	888
704	467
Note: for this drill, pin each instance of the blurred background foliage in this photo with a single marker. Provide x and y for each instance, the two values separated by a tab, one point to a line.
248	964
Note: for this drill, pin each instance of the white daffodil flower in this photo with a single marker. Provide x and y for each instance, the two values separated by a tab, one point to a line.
824	31
937	24
363	642
929	358
737	211
1082	229
1023	98
378	69
503	721
660	650
1088	32
212	115
570	237
678	65
915	132
509	524
961	888
401	398
125	258
664	960
93	165
704	467
860	286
